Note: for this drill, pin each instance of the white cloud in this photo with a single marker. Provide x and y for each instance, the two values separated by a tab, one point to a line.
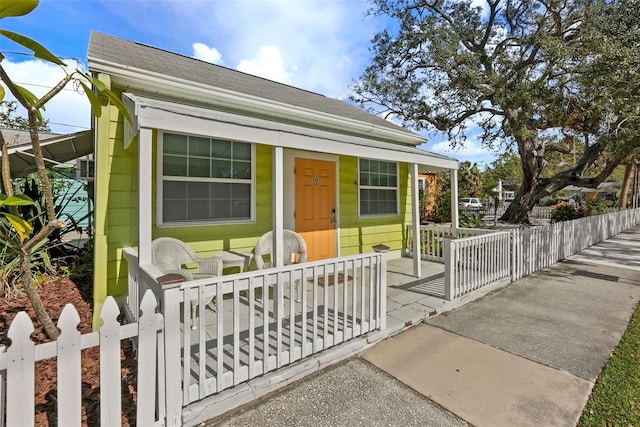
69	111
208	54
268	63
472	151
323	45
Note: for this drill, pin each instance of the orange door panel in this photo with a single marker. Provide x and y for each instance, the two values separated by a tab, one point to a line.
316	206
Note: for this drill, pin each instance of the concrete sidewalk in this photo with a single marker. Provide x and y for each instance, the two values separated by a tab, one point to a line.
525	355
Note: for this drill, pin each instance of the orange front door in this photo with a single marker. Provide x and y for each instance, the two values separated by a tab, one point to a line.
316	206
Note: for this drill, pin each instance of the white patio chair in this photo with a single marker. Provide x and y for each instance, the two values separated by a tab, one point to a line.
171	255
294	251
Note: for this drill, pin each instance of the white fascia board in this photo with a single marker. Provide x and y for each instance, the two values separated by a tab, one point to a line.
167	116
162	85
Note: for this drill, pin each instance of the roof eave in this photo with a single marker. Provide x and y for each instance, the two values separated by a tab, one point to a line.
183	90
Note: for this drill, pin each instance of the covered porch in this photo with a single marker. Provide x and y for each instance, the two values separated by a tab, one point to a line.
257	331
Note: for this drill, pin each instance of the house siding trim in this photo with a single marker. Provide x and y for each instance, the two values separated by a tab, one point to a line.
175	117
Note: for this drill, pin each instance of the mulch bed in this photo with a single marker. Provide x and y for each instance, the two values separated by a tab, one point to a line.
56	293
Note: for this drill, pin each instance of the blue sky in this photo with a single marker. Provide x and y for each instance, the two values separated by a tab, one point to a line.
317	45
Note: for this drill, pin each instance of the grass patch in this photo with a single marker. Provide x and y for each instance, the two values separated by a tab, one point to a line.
615	400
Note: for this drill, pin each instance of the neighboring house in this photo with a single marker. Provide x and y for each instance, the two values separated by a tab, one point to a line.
60	152
216	158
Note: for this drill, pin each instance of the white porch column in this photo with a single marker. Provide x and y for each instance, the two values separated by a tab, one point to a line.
415	221
455	222
145	145
278	203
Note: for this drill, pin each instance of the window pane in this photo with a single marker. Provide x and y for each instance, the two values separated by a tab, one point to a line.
221	149
174	210
220	191
221	169
364	178
174	166
199	146
197	190
199	167
241	191
364	165
198	210
174	144
221	210
241	170
241	151
174	190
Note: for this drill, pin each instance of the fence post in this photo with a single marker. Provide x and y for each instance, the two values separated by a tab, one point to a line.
147	358
383	291
173	362
449	268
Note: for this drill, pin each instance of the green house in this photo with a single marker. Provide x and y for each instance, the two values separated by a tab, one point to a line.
216	158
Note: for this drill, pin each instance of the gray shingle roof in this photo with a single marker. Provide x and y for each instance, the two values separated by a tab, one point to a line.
107	48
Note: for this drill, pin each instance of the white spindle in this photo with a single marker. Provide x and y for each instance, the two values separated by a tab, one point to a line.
147	351
69	368
110	377
20	372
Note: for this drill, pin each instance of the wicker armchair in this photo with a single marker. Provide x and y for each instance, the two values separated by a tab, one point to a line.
293	245
294	251
169	255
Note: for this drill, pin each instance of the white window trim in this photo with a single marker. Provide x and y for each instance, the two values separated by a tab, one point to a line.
372	187
160	179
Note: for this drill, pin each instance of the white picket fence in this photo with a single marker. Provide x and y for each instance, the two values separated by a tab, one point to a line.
534	248
538	212
17	367
477	261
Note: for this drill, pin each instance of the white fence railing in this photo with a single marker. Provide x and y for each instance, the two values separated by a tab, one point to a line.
223	331
17	367
432	238
474	262
534	248
538	212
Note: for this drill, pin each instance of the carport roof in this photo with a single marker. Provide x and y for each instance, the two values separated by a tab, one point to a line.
56	148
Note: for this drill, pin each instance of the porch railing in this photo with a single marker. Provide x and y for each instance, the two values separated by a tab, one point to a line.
474	262
223	331
432	238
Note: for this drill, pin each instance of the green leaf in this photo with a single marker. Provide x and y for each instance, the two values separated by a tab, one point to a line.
17	200
23	228
39	51
32	99
93	100
17	7
29	96
113	98
119	104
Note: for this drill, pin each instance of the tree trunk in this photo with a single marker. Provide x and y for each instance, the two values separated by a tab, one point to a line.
43	317
626	183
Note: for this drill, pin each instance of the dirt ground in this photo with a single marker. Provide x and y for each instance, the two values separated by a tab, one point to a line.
56	293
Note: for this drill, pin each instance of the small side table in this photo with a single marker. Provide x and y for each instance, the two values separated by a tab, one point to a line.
235	259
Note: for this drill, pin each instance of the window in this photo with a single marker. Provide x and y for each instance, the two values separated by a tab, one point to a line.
378	188
205	180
